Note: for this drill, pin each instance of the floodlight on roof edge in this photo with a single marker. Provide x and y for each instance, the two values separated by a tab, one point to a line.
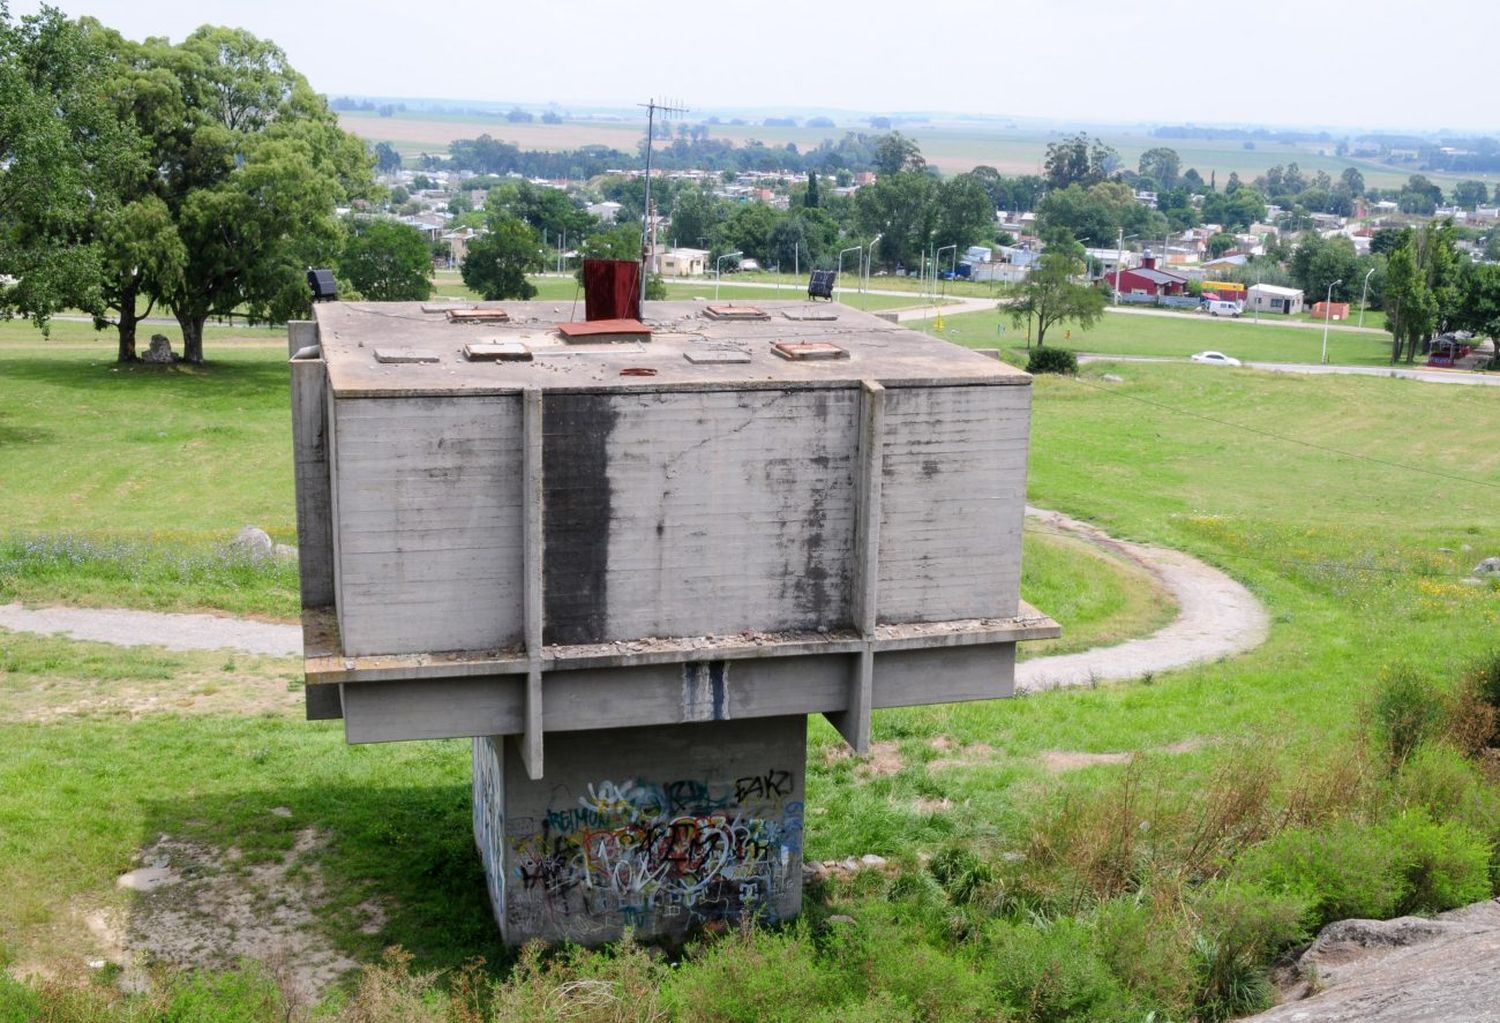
324	287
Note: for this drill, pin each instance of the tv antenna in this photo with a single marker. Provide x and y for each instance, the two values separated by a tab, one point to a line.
648	227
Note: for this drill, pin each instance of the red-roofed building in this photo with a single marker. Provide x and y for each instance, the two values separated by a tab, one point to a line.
1146	279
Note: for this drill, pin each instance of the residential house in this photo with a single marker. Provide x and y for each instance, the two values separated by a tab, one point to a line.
682	262
1272	298
605	211
1147	279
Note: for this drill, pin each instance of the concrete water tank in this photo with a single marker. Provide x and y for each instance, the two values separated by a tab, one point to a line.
629	559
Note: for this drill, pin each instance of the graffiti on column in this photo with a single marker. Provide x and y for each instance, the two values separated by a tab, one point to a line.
657	856
489	819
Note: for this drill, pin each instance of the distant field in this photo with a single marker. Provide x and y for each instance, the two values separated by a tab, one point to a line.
950	146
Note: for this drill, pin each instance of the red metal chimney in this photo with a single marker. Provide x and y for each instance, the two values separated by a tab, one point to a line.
611	289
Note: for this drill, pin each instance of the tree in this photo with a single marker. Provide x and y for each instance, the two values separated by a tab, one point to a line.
1220	243
697	215
1318	262
1050	295
1352	181
65	159
1161	163
1409	309
810	198
901	208
251	175
498	261
1469	194
894	153
1479	300
386	261
965	213
1079	160
387	159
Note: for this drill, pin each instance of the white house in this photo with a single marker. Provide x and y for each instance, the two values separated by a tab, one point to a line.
1272	298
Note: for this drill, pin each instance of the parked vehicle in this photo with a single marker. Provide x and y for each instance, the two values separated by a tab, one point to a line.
1219	307
1216	359
964	272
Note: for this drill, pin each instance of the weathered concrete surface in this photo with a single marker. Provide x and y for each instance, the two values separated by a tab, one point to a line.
155	628
662	830
1217	617
1409	970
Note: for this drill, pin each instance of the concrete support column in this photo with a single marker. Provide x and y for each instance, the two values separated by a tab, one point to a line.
659	829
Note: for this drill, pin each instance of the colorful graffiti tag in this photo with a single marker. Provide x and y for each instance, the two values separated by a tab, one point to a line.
659	856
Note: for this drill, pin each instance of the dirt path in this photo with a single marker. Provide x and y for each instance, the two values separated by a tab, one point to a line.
1218	617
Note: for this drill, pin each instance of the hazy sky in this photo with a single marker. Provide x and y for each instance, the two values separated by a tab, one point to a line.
1373	64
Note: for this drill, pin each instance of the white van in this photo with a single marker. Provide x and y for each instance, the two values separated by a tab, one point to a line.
1221	308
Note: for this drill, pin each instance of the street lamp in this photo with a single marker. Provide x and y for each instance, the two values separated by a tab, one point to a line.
717	271
852	248
1327	308
1362	293
870	259
937	261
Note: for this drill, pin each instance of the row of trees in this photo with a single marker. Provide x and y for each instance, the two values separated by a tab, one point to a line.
202	177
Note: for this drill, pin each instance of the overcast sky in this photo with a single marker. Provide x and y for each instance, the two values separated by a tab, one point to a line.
1283	62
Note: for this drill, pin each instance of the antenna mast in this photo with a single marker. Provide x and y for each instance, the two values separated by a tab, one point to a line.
666	109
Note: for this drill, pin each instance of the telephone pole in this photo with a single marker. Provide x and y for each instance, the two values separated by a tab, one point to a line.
648	234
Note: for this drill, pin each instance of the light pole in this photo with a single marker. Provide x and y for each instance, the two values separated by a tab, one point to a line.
937	261
869	260
717	271
842	252
1327	308
1363	292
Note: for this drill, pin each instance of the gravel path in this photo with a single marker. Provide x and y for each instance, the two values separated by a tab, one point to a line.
1218	617
155	628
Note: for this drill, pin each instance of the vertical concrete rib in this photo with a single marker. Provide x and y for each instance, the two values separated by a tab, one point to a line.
531	474
309	381
853	722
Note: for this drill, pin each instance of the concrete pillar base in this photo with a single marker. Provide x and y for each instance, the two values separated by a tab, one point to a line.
660	830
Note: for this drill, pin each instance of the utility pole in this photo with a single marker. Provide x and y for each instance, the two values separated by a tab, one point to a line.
648	234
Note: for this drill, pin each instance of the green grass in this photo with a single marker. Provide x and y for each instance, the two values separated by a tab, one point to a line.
784	287
1177	336
1332	499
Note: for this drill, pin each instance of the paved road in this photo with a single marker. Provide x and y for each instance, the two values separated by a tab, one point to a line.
1426	376
1243	321
1217	617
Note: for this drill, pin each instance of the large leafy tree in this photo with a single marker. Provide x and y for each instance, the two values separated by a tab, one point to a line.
386	261
894	153
1079	160
1161	165
902	208
1051	294
63	159
252	177
499	260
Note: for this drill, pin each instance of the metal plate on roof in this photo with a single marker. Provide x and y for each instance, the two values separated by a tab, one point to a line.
735	312
799	351
478	316
497	351
811	313
605	330
400	356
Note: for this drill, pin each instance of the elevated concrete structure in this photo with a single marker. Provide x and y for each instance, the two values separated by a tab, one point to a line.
649	561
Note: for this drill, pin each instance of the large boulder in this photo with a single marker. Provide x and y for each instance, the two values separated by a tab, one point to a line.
1488	567
160	351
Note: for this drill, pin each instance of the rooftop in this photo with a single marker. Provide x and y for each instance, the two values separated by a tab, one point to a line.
411	348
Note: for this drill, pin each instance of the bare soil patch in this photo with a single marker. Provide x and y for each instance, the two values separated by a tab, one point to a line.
883	760
1058	761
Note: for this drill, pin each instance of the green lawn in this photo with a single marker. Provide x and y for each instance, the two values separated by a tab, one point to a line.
1178	336
783	287
1107	892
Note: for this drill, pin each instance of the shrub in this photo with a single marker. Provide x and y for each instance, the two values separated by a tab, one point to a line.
1052	973
1338	871
1051	360
750	977
1441	865
1406	710
1241	928
962	874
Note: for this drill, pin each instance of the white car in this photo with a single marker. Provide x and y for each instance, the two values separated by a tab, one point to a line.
1216	359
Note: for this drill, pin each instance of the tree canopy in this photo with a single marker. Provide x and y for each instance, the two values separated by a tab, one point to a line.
386	261
1050	294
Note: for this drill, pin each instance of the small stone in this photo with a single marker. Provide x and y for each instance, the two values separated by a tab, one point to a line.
1013	856
871	860
840	918
1470	580
1445	550
284	551
850	864
281	811
96	964
1113	378
145	879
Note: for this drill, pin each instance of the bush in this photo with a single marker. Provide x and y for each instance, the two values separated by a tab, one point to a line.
1241	928
962	874
1441	865
1406	710
1052	972
1051	360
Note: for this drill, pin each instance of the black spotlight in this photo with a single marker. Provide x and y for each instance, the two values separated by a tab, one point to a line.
322	284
